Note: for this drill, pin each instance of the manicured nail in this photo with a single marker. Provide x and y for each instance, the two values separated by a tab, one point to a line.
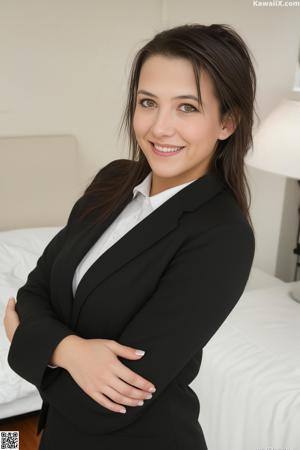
139	352
123	410
152	389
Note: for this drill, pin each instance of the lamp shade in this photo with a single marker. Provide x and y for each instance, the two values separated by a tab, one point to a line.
276	145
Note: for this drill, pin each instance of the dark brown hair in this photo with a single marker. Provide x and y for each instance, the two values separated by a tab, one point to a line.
223	54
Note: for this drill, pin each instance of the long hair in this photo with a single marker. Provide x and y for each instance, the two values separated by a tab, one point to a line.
225	57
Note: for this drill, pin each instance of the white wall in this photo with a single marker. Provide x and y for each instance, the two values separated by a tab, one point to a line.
64	68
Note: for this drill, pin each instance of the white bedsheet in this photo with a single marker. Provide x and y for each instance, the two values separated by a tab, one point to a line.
19	251
249	380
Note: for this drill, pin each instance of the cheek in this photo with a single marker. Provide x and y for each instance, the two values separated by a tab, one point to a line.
192	130
199	131
140	124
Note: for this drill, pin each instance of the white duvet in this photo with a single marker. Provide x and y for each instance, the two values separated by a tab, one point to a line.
19	252
249	380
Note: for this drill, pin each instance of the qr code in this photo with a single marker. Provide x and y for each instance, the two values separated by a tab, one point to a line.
10	439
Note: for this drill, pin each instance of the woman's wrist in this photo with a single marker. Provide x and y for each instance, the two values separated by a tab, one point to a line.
65	350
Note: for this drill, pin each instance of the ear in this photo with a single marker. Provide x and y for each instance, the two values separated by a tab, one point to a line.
228	125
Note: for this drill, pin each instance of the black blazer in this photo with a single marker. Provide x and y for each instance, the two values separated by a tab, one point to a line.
165	287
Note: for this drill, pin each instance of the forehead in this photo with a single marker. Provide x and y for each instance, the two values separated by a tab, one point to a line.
159	69
160	74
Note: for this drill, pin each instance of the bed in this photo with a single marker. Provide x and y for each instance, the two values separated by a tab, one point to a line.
39	183
249	381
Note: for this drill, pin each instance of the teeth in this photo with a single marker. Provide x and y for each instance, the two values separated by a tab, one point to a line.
166	149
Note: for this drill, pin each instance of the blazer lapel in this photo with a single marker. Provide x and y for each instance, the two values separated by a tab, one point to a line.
155	226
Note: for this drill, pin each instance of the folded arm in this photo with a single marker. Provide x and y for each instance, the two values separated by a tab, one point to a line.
197	292
33	344
40	330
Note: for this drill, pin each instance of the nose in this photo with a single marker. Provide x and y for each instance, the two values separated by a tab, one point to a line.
163	123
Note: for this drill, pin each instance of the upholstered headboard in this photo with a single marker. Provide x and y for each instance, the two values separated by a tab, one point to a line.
39	180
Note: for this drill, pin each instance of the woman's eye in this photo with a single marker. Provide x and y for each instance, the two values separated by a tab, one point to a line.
190	106
141	102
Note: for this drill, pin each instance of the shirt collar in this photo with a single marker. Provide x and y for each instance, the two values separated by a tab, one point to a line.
157	199
144	186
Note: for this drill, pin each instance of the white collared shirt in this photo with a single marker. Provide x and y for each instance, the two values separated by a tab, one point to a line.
136	210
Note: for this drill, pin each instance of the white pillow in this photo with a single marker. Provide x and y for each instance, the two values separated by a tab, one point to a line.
19	252
32	239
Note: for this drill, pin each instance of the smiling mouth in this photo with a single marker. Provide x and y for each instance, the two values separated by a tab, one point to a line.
165	151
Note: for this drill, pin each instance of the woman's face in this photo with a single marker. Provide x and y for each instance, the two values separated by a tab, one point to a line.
165	120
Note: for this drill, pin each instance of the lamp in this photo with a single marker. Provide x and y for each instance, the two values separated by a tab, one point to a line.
277	149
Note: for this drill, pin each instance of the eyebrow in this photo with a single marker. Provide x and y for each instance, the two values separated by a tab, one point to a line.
192	97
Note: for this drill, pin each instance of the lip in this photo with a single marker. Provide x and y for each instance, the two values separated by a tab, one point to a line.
166	155
166	145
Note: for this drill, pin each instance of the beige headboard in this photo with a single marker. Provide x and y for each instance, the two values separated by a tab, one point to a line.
39	180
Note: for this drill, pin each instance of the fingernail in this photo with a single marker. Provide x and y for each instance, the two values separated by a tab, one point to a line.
123	410
139	352
152	389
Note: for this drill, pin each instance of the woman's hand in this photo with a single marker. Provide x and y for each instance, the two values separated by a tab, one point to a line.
94	365
11	319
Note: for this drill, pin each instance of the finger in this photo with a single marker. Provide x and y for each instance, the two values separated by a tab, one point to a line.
128	391
119	398
11	303
123	372
130	377
8	307
106	402
125	351
10	311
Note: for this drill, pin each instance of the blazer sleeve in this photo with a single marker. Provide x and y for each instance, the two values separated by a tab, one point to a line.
40	330
196	293
33	344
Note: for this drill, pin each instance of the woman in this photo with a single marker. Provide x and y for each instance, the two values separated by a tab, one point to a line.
155	255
